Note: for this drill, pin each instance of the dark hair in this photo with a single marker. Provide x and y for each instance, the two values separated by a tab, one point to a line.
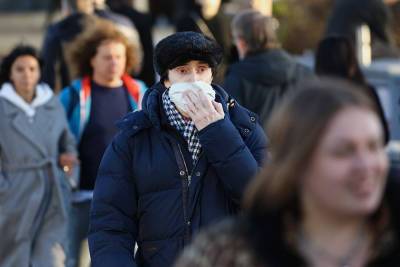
84	47
336	56
256	29
271	202
9	59
116	4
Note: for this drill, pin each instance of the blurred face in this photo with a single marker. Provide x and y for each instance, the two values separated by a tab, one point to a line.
110	62
190	72
209	8
85	6
348	172
25	74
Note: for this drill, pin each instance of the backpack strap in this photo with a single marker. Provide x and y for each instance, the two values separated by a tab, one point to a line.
201	25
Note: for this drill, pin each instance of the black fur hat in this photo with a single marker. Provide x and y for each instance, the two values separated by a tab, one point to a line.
181	47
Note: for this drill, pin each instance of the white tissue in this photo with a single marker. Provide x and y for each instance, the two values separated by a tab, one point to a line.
176	90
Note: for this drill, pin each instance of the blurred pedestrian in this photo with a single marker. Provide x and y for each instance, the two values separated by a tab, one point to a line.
178	165
58	37
265	72
143	25
207	17
348	16
37	158
321	200
336	56
103	93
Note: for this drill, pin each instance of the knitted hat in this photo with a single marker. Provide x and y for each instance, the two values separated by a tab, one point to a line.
182	47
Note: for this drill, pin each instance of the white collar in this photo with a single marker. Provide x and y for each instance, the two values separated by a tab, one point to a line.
42	96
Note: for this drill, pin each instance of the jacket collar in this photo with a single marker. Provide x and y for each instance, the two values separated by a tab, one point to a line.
19	122
152	105
11	109
43	96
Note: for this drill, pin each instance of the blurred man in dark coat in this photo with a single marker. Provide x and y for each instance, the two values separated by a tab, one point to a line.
265	71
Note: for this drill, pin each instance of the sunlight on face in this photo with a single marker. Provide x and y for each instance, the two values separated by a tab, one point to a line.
348	172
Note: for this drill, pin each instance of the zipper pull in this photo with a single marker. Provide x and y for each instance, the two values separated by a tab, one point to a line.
189	179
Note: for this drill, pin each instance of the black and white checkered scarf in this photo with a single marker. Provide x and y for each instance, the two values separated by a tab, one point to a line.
185	127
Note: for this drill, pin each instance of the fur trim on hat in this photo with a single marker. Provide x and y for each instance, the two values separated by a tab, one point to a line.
182	47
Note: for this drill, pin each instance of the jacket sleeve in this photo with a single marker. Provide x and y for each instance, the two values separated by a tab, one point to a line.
113	226
51	53
235	160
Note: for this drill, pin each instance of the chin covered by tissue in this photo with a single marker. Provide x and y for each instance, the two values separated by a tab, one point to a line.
176	90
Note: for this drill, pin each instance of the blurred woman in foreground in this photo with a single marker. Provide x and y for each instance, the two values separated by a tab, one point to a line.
323	199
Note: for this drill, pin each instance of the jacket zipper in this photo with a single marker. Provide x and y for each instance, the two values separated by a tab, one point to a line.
189	176
185	195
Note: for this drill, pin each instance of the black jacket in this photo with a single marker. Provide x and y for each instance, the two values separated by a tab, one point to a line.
259	81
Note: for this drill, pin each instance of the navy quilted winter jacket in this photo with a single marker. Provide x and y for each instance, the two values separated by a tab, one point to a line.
148	191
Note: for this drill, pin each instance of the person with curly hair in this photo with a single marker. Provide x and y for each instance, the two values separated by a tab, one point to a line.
104	92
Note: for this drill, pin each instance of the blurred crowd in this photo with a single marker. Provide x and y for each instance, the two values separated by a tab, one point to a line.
211	147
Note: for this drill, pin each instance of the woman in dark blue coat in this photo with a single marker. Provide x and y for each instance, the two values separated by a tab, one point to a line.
176	166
